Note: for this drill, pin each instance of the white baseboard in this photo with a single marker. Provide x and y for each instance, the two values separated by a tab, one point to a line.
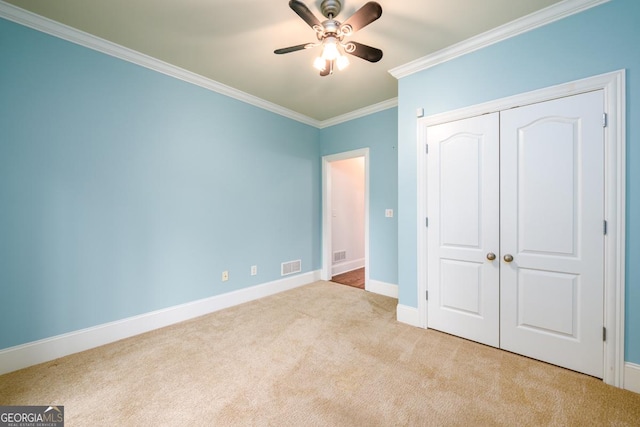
408	315
632	377
382	288
33	353
345	267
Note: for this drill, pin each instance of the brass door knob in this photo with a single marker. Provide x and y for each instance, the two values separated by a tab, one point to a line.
491	256
508	258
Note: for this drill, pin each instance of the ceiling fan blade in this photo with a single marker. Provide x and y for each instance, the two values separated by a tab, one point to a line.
361	18
327	69
303	12
293	48
363	51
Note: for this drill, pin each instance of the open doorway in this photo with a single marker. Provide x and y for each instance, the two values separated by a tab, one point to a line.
345	218
347	222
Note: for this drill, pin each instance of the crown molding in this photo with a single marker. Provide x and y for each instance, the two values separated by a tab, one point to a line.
522	25
56	29
381	106
527	23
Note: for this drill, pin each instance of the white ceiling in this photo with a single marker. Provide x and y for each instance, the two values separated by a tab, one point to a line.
232	42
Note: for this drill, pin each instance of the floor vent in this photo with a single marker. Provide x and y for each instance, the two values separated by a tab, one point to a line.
339	256
291	267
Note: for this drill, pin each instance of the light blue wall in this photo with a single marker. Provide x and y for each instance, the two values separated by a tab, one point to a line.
124	191
599	40
379	133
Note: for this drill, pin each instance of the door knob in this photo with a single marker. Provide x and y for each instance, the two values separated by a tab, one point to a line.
491	256
508	258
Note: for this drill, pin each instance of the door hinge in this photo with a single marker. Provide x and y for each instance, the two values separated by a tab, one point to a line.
426	148
426	295
604	120
605	227
426	222
604	333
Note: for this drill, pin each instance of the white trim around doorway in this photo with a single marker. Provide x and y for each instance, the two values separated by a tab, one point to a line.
325	273
613	85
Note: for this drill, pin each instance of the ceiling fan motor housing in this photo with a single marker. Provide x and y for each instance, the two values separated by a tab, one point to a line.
330	8
330	27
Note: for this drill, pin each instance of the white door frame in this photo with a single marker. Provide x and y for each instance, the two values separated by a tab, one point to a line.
613	85
325	273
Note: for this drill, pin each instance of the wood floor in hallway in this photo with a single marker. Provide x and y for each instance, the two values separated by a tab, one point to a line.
353	278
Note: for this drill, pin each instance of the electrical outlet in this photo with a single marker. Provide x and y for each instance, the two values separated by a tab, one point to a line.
225	276
254	270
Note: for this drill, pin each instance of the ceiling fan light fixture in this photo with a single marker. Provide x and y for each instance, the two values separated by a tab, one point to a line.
331	55
319	64
330	49
342	62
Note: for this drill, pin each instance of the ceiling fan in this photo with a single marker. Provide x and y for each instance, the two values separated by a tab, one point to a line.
331	34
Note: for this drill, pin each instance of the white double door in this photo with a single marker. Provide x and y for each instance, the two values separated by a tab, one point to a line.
515	203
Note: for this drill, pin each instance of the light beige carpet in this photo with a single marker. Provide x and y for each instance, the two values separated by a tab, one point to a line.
320	355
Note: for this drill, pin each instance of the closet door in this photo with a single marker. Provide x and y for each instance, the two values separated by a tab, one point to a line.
463	229
552	231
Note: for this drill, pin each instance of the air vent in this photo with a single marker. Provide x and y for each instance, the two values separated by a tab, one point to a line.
291	267
339	256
